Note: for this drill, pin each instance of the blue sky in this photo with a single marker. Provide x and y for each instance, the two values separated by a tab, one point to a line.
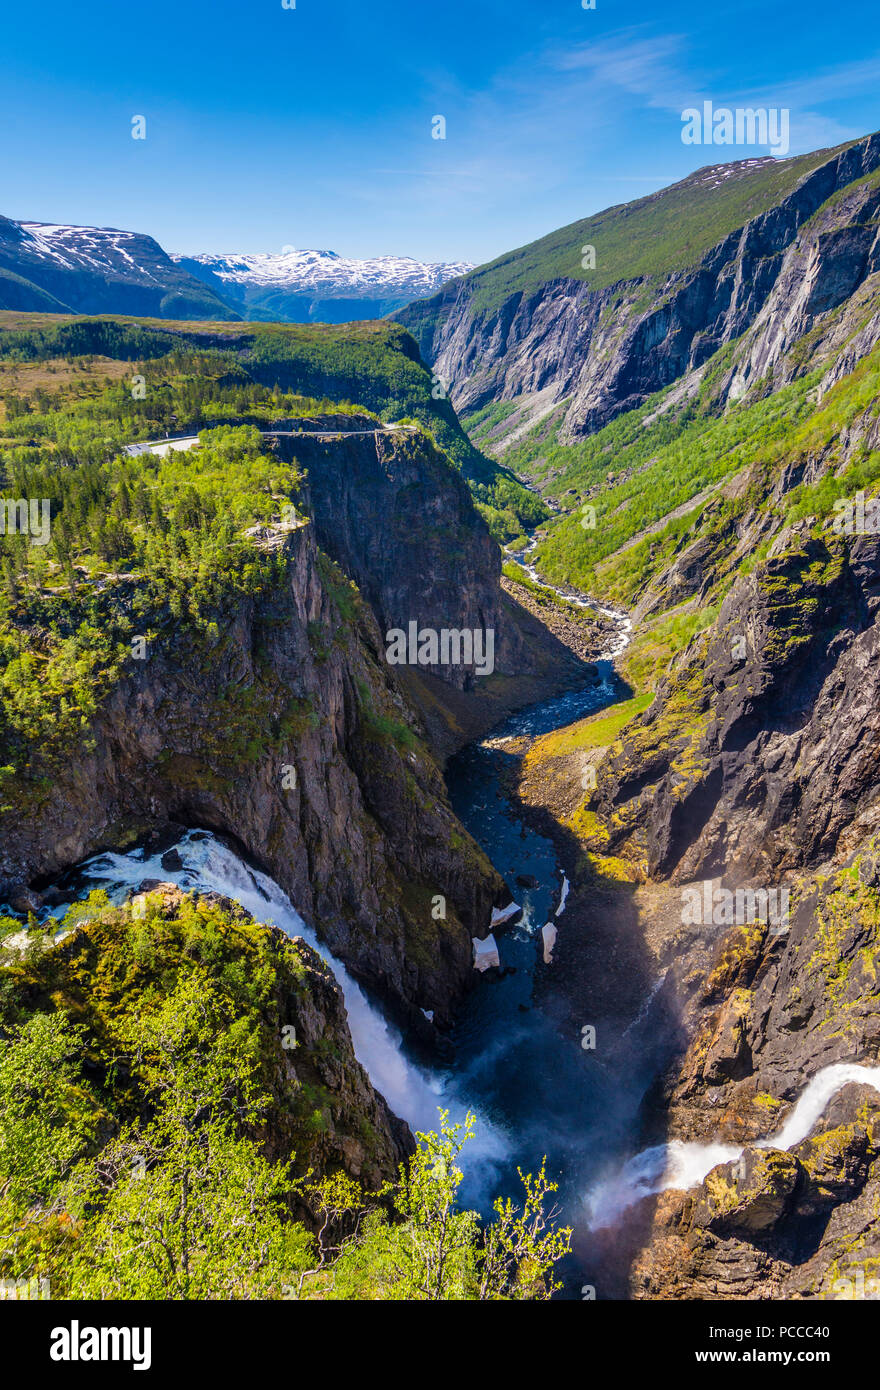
311	127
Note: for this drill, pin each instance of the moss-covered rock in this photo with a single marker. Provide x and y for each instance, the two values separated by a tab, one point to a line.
750	1195
285	1010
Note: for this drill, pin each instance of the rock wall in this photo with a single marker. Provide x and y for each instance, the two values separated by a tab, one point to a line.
605	352
201	733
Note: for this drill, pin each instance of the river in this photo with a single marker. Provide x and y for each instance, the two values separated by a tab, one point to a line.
534	1090
518	1062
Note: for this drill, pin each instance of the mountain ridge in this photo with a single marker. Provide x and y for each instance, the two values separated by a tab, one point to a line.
315	285
59	267
64	268
665	295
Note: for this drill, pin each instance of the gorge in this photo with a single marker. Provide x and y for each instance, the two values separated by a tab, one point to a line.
480	701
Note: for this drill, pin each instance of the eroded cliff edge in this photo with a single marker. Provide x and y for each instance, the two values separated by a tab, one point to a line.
280	723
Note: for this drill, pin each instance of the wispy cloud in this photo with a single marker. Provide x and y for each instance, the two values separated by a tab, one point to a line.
551	131
652	67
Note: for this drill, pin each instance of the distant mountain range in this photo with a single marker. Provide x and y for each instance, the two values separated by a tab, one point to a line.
95	270
58	268
318	286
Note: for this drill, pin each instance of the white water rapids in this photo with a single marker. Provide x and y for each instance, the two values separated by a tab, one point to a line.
683	1165
617	642
210	866
415	1093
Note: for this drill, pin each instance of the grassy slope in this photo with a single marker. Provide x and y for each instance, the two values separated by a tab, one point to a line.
596	731
665	464
655	236
644	465
639	471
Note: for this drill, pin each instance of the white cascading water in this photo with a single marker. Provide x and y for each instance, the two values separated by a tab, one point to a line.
210	866
616	642
684	1165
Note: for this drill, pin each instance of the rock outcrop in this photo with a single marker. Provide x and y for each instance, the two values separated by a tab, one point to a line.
320	1111
400	522
759	753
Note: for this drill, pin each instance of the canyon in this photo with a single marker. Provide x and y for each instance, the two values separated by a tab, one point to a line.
682	702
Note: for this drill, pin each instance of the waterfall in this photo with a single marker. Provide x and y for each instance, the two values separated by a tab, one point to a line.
683	1165
208	865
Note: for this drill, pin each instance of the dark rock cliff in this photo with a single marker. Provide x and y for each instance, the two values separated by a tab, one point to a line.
201	733
400	522
760	751
604	352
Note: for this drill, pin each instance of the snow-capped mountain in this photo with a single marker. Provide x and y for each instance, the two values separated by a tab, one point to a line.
59	268
319	285
328	272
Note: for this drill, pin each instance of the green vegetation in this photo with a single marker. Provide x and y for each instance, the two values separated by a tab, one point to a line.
141	1084
596	731
659	640
382	726
481	423
135	543
149	545
659	465
197	377
124	339
656	478
517	575
507	507
652	237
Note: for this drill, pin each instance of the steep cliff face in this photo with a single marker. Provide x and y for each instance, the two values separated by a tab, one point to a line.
753	771
401	523
598	352
391	512
760	750
214	729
